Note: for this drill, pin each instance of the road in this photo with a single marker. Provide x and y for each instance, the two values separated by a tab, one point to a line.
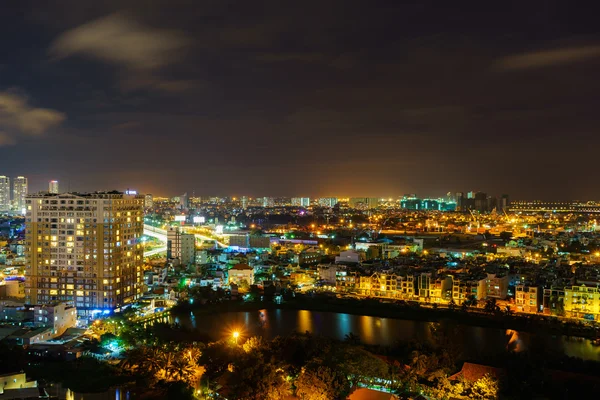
161	235
158	250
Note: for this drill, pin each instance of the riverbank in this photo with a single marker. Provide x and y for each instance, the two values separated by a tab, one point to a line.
369	307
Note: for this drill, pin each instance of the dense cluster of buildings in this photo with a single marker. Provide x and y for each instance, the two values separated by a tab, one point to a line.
16	202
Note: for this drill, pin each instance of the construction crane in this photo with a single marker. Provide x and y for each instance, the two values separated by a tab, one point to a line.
475	219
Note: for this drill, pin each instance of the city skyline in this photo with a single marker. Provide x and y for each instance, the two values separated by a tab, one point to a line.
281	98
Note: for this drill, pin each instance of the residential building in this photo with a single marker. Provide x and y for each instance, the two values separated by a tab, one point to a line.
496	286
407	287
180	245
308	257
53	187
84	248
467	289
240	272
300	201
423	286
11	382
250	241
328	274
19	193
29	336
348	257
582	302
268	202
327	202
5	194
528	299
440	290
59	316
12	289
363	202
554	301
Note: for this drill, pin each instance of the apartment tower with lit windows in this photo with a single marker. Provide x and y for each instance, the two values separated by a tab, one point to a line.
84	249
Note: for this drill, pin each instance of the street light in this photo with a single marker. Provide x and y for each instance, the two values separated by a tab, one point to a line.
236	335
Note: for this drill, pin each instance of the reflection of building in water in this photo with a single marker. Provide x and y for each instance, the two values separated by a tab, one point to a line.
366	329
304	321
514	342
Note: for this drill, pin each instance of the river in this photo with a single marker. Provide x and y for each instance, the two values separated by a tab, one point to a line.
477	342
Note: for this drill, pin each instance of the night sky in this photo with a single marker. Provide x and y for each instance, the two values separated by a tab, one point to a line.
373	98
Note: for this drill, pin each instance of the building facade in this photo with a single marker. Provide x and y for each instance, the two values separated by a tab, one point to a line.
4	194
53	187
300	201
241	272
59	316
20	189
84	249
528	298
327	202
181	246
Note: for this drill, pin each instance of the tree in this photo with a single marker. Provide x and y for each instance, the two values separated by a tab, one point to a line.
491	306
256	378
243	286
419	362
351	338
357	363
452	305
485	388
253	344
321	383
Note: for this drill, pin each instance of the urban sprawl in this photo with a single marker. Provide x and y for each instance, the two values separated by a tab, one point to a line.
71	261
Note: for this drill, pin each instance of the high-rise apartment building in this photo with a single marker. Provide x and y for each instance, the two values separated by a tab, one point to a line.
268	202
328	202
53	187
300	201
244	202
84	249
181	245
4	193
363	202
19	193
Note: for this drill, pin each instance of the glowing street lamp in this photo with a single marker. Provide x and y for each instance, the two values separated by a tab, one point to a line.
236	335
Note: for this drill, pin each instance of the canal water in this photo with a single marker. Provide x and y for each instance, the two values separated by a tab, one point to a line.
477	342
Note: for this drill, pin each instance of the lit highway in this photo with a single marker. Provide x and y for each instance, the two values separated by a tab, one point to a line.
161	235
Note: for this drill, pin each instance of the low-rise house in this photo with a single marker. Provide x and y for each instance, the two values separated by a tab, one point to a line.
528	299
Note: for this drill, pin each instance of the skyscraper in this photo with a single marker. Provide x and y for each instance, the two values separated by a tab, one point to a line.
4	193
84	249
19	193
53	187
